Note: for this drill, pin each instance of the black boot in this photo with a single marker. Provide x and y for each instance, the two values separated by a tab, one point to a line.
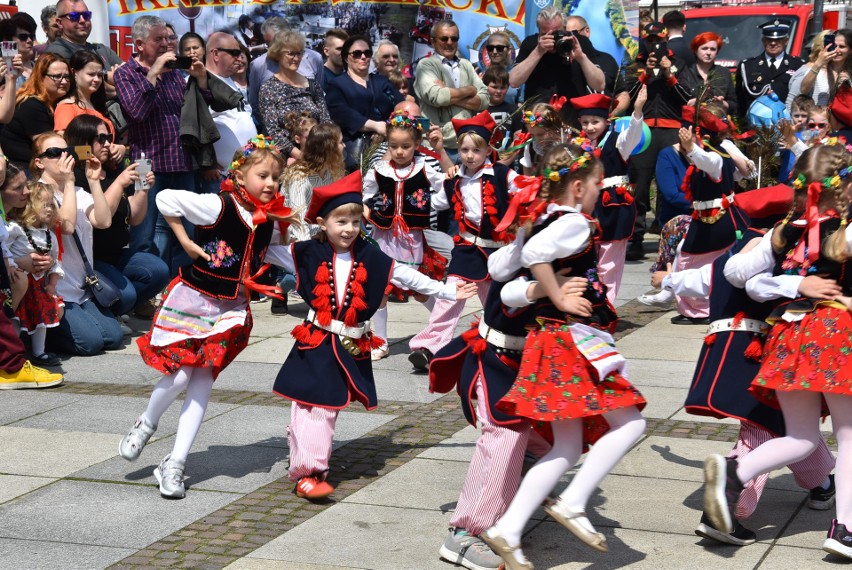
279	307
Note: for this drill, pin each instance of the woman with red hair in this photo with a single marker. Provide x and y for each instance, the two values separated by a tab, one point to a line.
35	101
706	46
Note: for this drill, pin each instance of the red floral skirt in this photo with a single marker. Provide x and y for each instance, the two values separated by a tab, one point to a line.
216	351
38	308
434	266
556	382
812	354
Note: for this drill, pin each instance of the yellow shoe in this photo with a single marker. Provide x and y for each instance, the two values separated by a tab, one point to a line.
29	376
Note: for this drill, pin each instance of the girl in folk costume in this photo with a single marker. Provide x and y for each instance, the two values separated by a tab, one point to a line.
343	278
730	358
544	129
479	195
398	196
205	319
615	210
37	231
806	363
715	166
571	344
482	365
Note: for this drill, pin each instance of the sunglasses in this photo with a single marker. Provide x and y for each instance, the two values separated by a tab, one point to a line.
54	152
24	37
817	125
76	16
104	138
236	52
358	53
292	54
448	39
498	49
57	77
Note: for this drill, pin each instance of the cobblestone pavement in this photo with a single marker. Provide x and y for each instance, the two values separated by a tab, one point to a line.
68	501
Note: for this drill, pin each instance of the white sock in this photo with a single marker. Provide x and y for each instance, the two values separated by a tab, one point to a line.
192	413
380	323
37	341
541	478
165	392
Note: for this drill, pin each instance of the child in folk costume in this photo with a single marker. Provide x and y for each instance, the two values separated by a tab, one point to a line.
398	194
571	344
205	319
479	195
806	363
544	129
343	278
615	210
729	360
35	231
482	365
715	166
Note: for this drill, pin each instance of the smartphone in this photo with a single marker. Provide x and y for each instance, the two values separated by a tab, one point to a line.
659	50
180	62
828	42
83	152
142	169
424	124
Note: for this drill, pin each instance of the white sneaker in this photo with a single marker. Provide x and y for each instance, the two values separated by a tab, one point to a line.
379	353
663	299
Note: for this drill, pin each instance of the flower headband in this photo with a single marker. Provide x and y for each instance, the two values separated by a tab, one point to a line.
403	120
578	163
827	183
533	119
254	144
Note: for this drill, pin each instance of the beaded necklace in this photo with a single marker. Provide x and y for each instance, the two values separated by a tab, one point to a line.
41	250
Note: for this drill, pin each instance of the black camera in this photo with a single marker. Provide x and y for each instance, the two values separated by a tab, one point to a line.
564	42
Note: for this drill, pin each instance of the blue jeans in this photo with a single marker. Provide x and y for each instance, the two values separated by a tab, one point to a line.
85	330
153	235
139	276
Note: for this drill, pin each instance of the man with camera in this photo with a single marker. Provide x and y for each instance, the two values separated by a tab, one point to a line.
554	61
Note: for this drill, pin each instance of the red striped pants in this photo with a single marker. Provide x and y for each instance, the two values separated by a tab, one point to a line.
443	320
310	436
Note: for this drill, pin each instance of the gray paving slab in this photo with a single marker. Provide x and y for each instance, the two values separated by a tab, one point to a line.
650	372
663	326
110	368
250	376
786	557
654	347
457	448
52	453
273	350
19	404
249	563
552	547
662	402
807	529
686	416
103	514
45	555
364	536
12	486
403	385
109	414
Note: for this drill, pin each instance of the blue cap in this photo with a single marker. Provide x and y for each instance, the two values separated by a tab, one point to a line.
775	29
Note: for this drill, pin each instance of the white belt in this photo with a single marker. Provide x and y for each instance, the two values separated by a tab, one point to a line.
745	325
482	242
337	327
501	340
615	181
711	204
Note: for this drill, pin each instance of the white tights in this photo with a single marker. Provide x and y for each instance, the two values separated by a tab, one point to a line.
801	411
198	383
626	427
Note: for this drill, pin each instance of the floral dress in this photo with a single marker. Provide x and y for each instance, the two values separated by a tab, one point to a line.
38	308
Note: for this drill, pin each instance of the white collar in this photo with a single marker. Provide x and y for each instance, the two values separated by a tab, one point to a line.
487	169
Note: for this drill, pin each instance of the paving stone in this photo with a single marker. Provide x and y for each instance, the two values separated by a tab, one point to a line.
786	557
457	448
114	367
653	347
261	564
52	453
18	404
662	402
648	372
272	350
251	376
12	486
404	487
46	555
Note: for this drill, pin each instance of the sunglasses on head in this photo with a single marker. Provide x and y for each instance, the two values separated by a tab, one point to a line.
54	152
75	16
817	125
449	39
359	53
498	49
25	36
104	138
233	52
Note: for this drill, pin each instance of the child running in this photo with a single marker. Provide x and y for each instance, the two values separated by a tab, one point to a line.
398	197
35	231
205	319
571	344
343	278
479	194
805	364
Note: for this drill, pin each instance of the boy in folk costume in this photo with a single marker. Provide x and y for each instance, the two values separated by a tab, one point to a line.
343	278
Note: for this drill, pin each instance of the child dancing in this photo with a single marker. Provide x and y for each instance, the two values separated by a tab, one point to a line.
205	319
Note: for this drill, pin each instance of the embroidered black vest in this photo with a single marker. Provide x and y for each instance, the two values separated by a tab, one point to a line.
609	156
502	318
725	299
705	188
412	200
235	250
499	182
784	264
582	264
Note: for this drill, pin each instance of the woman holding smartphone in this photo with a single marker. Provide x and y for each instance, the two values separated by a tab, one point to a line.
829	66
